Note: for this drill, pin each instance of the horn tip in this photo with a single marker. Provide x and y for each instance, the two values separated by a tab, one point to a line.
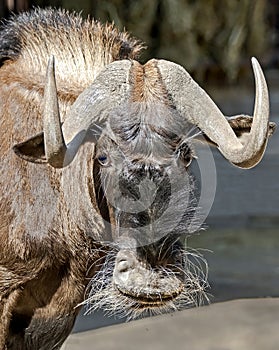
51	62
255	62
51	58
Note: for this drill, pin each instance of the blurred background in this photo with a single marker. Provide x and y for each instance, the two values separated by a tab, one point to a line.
214	40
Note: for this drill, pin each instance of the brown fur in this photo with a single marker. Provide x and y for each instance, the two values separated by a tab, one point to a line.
45	253
147	83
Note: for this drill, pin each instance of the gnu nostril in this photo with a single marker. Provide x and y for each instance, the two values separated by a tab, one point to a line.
123	266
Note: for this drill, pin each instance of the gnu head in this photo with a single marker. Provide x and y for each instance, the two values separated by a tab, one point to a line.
107	211
140	183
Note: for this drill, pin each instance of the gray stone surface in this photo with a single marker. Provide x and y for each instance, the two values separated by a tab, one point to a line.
251	324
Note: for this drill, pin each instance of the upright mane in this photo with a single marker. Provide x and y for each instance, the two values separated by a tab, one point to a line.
82	48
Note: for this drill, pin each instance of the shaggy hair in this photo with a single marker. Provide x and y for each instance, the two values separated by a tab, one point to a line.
88	46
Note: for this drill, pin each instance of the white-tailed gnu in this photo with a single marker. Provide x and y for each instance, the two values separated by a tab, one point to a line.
101	219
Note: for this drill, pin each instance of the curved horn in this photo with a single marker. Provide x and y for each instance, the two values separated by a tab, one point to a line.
55	148
194	104
93	105
110	89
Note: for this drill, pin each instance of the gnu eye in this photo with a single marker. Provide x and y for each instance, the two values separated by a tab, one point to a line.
103	160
